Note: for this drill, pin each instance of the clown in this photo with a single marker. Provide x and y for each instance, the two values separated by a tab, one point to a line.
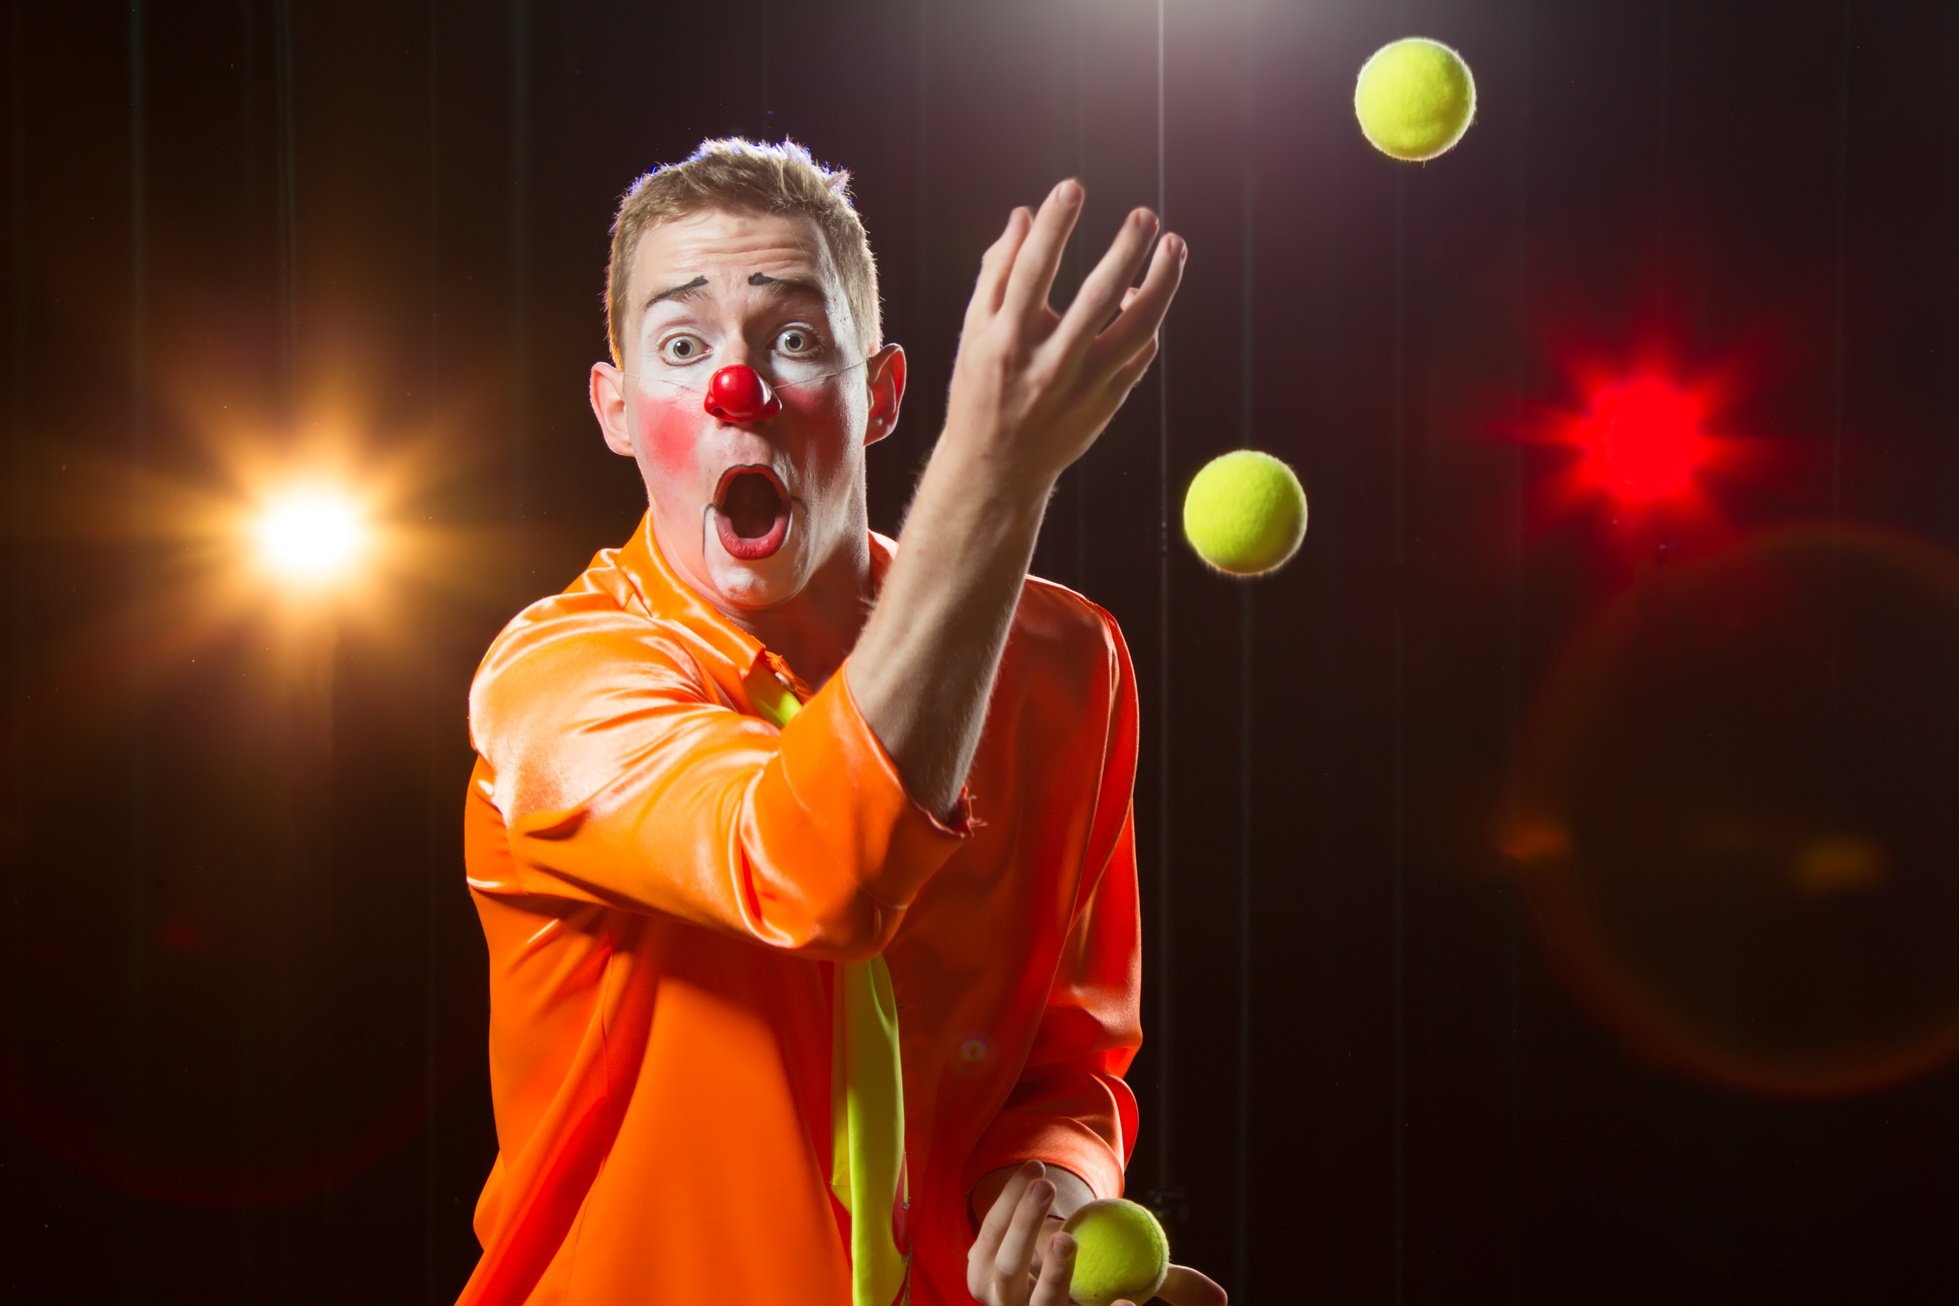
802	988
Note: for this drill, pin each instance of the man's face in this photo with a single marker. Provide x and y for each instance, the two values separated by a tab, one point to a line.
746	512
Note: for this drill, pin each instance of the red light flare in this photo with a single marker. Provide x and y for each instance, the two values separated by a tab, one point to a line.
1642	439
1642	442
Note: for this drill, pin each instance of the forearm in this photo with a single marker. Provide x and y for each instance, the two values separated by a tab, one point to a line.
923	669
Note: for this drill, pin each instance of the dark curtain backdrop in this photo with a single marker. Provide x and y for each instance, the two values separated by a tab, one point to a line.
1548	899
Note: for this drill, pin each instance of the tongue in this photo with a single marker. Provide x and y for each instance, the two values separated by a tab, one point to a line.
751	506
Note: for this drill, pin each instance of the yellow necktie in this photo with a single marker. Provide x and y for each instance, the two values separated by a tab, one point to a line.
867	1113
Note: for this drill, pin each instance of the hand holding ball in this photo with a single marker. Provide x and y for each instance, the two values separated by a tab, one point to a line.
1414	99
1245	513
1120	1252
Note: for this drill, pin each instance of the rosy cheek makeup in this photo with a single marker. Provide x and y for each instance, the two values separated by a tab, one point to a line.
813	406
670	422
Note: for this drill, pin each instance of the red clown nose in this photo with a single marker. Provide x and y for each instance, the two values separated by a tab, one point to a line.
737	393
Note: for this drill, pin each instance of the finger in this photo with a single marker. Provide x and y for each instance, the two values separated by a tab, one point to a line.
1034	267
1183	1286
1104	288
1133	370
1050	1226
999	1217
996	263
1056	1272
1017	1248
1124	336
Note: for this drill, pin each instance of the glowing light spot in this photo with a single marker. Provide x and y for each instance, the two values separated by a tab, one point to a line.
313	535
1535	840
180	935
1642	438
1838	865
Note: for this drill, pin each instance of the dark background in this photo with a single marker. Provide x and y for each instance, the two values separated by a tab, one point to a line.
1691	1045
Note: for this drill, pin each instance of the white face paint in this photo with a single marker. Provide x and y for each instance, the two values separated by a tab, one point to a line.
746	513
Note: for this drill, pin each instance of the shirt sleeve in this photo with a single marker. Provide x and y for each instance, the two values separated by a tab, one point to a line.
1071	1107
623	779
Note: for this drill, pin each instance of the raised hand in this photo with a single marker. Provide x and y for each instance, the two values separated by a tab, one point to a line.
1033	388
1030	392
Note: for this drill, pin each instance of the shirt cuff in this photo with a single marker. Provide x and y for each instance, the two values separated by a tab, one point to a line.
1062	1142
837	770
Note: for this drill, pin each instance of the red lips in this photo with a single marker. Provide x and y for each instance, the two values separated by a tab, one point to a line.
751	513
737	393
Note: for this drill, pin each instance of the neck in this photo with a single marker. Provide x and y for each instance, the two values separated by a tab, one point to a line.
816	630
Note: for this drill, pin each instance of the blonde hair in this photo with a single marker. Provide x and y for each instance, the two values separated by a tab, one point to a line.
740	176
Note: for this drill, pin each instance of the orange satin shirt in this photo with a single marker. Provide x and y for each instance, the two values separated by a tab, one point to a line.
667	882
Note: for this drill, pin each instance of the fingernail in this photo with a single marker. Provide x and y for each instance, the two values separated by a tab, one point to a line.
1068	192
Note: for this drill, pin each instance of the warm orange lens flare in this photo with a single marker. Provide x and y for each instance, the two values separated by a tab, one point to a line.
313	535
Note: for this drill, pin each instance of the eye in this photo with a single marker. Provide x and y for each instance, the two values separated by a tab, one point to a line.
797	340
682	349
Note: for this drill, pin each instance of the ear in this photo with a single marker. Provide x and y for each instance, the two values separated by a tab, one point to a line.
885	374
609	406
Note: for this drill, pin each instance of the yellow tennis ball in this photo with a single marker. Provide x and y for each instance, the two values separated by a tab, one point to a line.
1414	98
1120	1251
1245	513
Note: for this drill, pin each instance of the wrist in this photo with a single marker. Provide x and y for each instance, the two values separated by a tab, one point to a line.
987	474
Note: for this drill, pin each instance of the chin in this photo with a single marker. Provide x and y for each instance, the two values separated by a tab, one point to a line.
745	587
758	585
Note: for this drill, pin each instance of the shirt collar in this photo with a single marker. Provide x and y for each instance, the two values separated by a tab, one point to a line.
669	597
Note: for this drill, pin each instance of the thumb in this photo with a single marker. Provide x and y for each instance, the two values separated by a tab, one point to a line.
1183	1286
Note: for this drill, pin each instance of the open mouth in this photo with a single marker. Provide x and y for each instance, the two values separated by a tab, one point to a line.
751	512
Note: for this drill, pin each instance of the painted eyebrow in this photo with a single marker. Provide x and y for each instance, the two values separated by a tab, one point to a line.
676	292
794	285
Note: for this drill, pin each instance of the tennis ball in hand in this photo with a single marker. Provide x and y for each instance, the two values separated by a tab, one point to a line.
1245	513
1414	99
1120	1252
